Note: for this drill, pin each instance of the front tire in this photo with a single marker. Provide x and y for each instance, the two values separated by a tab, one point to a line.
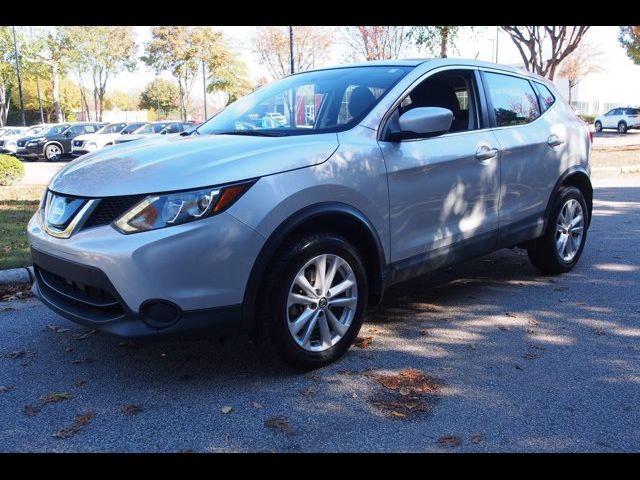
598	126
622	127
52	153
560	248
313	300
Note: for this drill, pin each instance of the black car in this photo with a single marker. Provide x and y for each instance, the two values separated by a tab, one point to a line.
54	143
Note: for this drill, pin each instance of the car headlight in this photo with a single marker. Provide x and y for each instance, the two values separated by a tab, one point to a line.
91	146
159	211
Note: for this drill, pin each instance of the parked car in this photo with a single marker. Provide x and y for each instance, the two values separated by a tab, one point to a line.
9	141
152	128
621	119
105	136
54	143
290	232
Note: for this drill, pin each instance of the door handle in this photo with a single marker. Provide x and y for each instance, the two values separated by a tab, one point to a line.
486	153
554	140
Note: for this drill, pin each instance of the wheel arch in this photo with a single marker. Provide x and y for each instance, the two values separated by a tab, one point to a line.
50	142
339	218
577	177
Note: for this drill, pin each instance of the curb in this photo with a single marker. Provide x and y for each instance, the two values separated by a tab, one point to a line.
622	169
16	275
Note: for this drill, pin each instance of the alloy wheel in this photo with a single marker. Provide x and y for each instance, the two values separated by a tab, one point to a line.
322	302
569	230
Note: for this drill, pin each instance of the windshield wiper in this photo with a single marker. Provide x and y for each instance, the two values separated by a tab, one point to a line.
252	133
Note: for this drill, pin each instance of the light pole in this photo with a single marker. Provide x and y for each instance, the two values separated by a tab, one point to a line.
291	48
204	89
15	48
497	31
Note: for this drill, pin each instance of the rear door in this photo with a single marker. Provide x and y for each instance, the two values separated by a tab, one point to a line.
531	144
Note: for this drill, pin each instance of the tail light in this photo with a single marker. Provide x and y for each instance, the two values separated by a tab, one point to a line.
590	136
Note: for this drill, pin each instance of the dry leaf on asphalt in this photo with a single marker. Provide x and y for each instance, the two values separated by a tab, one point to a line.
31	410
79	422
85	335
131	409
279	424
476	439
20	354
363	342
4	389
308	392
509	314
503	328
425	333
226	410
413	380
56	329
450	441
530	356
397	414
56	397
257	405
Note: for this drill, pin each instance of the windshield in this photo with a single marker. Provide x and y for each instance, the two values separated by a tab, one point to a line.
151	128
34	130
132	127
111	128
54	130
325	101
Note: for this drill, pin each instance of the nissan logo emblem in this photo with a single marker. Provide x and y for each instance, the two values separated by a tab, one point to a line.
56	211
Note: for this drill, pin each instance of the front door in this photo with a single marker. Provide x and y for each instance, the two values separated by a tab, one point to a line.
443	190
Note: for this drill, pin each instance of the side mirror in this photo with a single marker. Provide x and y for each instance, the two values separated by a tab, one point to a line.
425	122
67	134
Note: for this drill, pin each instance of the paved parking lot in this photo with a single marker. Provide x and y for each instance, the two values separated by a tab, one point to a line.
512	361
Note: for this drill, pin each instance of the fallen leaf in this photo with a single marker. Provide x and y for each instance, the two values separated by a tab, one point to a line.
476	439
131	409
398	414
85	335
311	376
7	309
425	333
530	356
4	389
532	322
599	331
308	392
537	347
78	361
472	346
68	350
354	395
20	354
79	422
56	397
509	314
280	424
413	380
450	441
561	289
226	410
31	410
56	329
257	405
503	328
363	342
374	330
518	367
404	391
530	331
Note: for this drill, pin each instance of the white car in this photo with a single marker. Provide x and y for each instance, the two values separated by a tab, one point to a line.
105	136
621	119
9	140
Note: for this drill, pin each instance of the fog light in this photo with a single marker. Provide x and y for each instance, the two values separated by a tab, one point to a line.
160	313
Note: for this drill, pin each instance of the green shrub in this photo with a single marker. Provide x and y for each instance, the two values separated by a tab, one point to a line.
588	118
11	169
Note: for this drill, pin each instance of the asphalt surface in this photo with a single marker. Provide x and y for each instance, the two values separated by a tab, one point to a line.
523	362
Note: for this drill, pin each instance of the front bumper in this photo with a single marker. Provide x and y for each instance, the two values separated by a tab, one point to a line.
34	152
110	282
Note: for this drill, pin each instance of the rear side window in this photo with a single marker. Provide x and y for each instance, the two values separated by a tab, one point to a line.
514	101
546	97
633	111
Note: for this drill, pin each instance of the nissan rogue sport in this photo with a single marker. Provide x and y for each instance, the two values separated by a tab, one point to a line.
288	232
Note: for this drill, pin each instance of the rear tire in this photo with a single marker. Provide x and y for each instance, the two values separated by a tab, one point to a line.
52	153
311	324
622	127
598	126
560	248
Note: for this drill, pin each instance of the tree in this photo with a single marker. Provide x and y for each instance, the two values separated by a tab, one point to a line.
69	97
585	60
123	100
177	50
544	48
7	72
435	39
104	51
375	43
310	46
161	94
629	37
50	48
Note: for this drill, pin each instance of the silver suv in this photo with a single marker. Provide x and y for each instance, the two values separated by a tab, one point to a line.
288	232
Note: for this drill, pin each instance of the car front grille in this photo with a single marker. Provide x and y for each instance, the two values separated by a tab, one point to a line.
110	208
21	143
78	143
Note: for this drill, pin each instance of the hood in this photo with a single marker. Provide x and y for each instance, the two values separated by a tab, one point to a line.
131	137
13	137
87	136
178	163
